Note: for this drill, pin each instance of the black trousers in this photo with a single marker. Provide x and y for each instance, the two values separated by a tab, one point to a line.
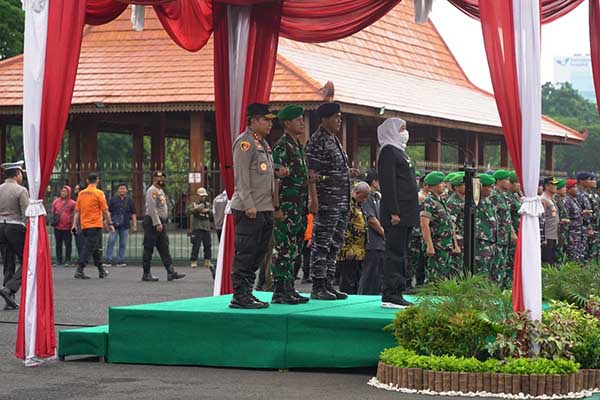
219	232
152	239
92	246
549	252
349	275
252	238
12	240
371	278
63	237
396	257
10	264
200	236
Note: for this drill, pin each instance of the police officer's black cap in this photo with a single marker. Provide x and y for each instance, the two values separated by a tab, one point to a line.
159	174
259	109
326	110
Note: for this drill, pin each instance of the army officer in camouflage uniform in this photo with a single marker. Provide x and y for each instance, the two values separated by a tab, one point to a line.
292	208
329	174
486	228
438	231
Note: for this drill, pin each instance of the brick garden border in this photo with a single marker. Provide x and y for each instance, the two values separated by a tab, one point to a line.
465	382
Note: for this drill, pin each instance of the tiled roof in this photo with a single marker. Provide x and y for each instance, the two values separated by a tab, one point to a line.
394	63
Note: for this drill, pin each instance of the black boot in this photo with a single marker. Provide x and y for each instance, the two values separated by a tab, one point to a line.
172	274
245	300
330	288
320	292
102	273
281	295
148	277
79	274
9	298
290	288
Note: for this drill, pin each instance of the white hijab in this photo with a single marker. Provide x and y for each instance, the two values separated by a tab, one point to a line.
388	133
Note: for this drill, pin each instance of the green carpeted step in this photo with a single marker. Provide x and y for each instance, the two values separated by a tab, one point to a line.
83	341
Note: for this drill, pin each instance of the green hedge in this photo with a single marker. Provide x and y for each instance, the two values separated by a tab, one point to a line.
402	358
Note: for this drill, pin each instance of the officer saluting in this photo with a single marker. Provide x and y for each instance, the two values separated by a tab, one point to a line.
252	204
155	234
14	200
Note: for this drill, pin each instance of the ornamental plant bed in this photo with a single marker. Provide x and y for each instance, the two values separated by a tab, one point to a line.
490	382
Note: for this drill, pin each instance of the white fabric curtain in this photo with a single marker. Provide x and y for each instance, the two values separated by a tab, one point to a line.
238	21
36	29
528	52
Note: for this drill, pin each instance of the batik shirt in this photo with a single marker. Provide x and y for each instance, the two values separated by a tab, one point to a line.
325	156
355	236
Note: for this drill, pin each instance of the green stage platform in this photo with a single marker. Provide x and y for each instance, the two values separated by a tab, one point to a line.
204	331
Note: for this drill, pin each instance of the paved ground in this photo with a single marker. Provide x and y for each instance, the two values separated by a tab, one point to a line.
86	303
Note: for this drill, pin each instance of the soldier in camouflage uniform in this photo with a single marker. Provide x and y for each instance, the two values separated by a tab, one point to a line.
584	202
506	233
513	196
438	232
292	208
456	207
329	174
486	229
594	245
563	224
577	239
416	251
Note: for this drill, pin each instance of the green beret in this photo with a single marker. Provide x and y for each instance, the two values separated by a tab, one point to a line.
417	174
434	178
290	112
561	183
501	174
486	180
448	177
458	179
513	177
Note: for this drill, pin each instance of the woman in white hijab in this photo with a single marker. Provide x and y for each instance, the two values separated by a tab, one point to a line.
399	207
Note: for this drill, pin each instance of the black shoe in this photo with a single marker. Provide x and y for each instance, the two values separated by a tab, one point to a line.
102	273
290	288
172	275
394	301
9	298
320	292
247	302
330	288
256	299
149	277
79	274
281	295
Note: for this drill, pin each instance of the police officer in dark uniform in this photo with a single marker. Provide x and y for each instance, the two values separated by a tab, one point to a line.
155	233
329	177
252	204
14	200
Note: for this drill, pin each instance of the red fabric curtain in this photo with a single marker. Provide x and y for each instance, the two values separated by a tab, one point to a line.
188	22
65	31
595	46
499	40
100	12
326	20
551	9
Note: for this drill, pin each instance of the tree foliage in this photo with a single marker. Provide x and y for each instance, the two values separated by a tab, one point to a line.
564	104
12	20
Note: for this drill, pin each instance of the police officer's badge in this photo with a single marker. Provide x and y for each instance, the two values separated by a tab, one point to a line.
263	166
245	146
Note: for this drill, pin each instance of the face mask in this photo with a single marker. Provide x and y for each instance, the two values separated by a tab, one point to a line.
404	136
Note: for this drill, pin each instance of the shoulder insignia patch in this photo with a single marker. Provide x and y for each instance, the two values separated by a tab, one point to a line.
245	146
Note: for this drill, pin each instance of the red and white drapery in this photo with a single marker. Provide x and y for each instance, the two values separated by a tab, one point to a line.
246	37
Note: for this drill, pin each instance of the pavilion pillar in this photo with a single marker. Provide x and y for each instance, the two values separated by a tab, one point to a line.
137	185
353	154
307	127
157	144
549	164
462	142
3	134
480	151
344	134
197	151
474	148
88	143
433	151
75	166
216	181
503	154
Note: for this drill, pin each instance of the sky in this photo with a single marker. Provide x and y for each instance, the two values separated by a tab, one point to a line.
564	37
